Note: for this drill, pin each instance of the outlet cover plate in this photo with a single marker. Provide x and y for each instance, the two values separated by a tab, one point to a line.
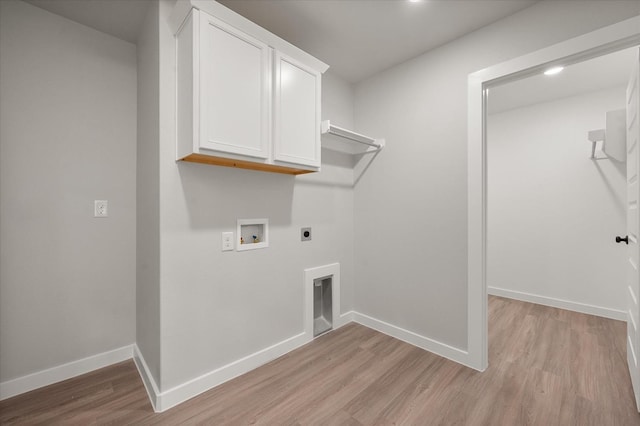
100	208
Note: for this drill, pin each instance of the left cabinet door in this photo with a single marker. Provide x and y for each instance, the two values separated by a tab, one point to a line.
235	79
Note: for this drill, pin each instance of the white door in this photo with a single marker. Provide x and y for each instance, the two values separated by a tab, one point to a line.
633	222
235	81
296	112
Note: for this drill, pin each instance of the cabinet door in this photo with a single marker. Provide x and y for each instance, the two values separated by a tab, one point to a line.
235	80
296	112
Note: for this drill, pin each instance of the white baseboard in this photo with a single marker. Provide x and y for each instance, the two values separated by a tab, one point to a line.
559	303
147	378
454	354
174	396
162	401
344	319
63	372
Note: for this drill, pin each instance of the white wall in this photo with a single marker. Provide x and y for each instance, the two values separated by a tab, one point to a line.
411	204
148	194
218	307
67	137
553	212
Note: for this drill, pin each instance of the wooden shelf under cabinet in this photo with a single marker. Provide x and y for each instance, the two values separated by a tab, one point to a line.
241	164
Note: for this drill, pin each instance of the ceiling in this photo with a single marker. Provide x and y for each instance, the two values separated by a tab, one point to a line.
357	38
119	18
601	73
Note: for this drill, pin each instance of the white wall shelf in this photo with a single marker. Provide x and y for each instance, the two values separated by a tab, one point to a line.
339	139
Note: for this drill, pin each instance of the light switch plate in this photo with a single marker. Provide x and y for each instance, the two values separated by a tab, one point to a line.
227	241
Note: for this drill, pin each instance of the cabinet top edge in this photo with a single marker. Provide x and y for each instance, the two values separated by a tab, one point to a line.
183	7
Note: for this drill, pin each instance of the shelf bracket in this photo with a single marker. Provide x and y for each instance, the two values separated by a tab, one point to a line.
372	144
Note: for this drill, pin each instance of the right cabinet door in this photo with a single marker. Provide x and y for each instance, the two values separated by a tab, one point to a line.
235	83
296	112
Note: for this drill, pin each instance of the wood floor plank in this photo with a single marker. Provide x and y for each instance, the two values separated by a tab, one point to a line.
547	367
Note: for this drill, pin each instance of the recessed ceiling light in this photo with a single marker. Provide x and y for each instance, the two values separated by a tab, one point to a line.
415	1
554	70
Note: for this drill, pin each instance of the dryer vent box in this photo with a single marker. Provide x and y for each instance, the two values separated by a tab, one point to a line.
322	305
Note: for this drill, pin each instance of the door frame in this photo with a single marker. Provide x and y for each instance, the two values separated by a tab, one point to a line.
606	40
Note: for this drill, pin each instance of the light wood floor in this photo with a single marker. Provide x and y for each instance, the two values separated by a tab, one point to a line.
547	367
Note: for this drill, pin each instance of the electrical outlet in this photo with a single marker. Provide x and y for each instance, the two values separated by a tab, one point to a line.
227	241
100	208
305	234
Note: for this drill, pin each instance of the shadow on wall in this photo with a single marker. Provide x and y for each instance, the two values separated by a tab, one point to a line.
216	196
336	172
337	159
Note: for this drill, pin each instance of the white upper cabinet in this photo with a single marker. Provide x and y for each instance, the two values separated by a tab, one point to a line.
245	98
296	112
234	90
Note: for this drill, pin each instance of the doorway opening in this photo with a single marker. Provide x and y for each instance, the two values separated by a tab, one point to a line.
606	40
554	208
555	199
